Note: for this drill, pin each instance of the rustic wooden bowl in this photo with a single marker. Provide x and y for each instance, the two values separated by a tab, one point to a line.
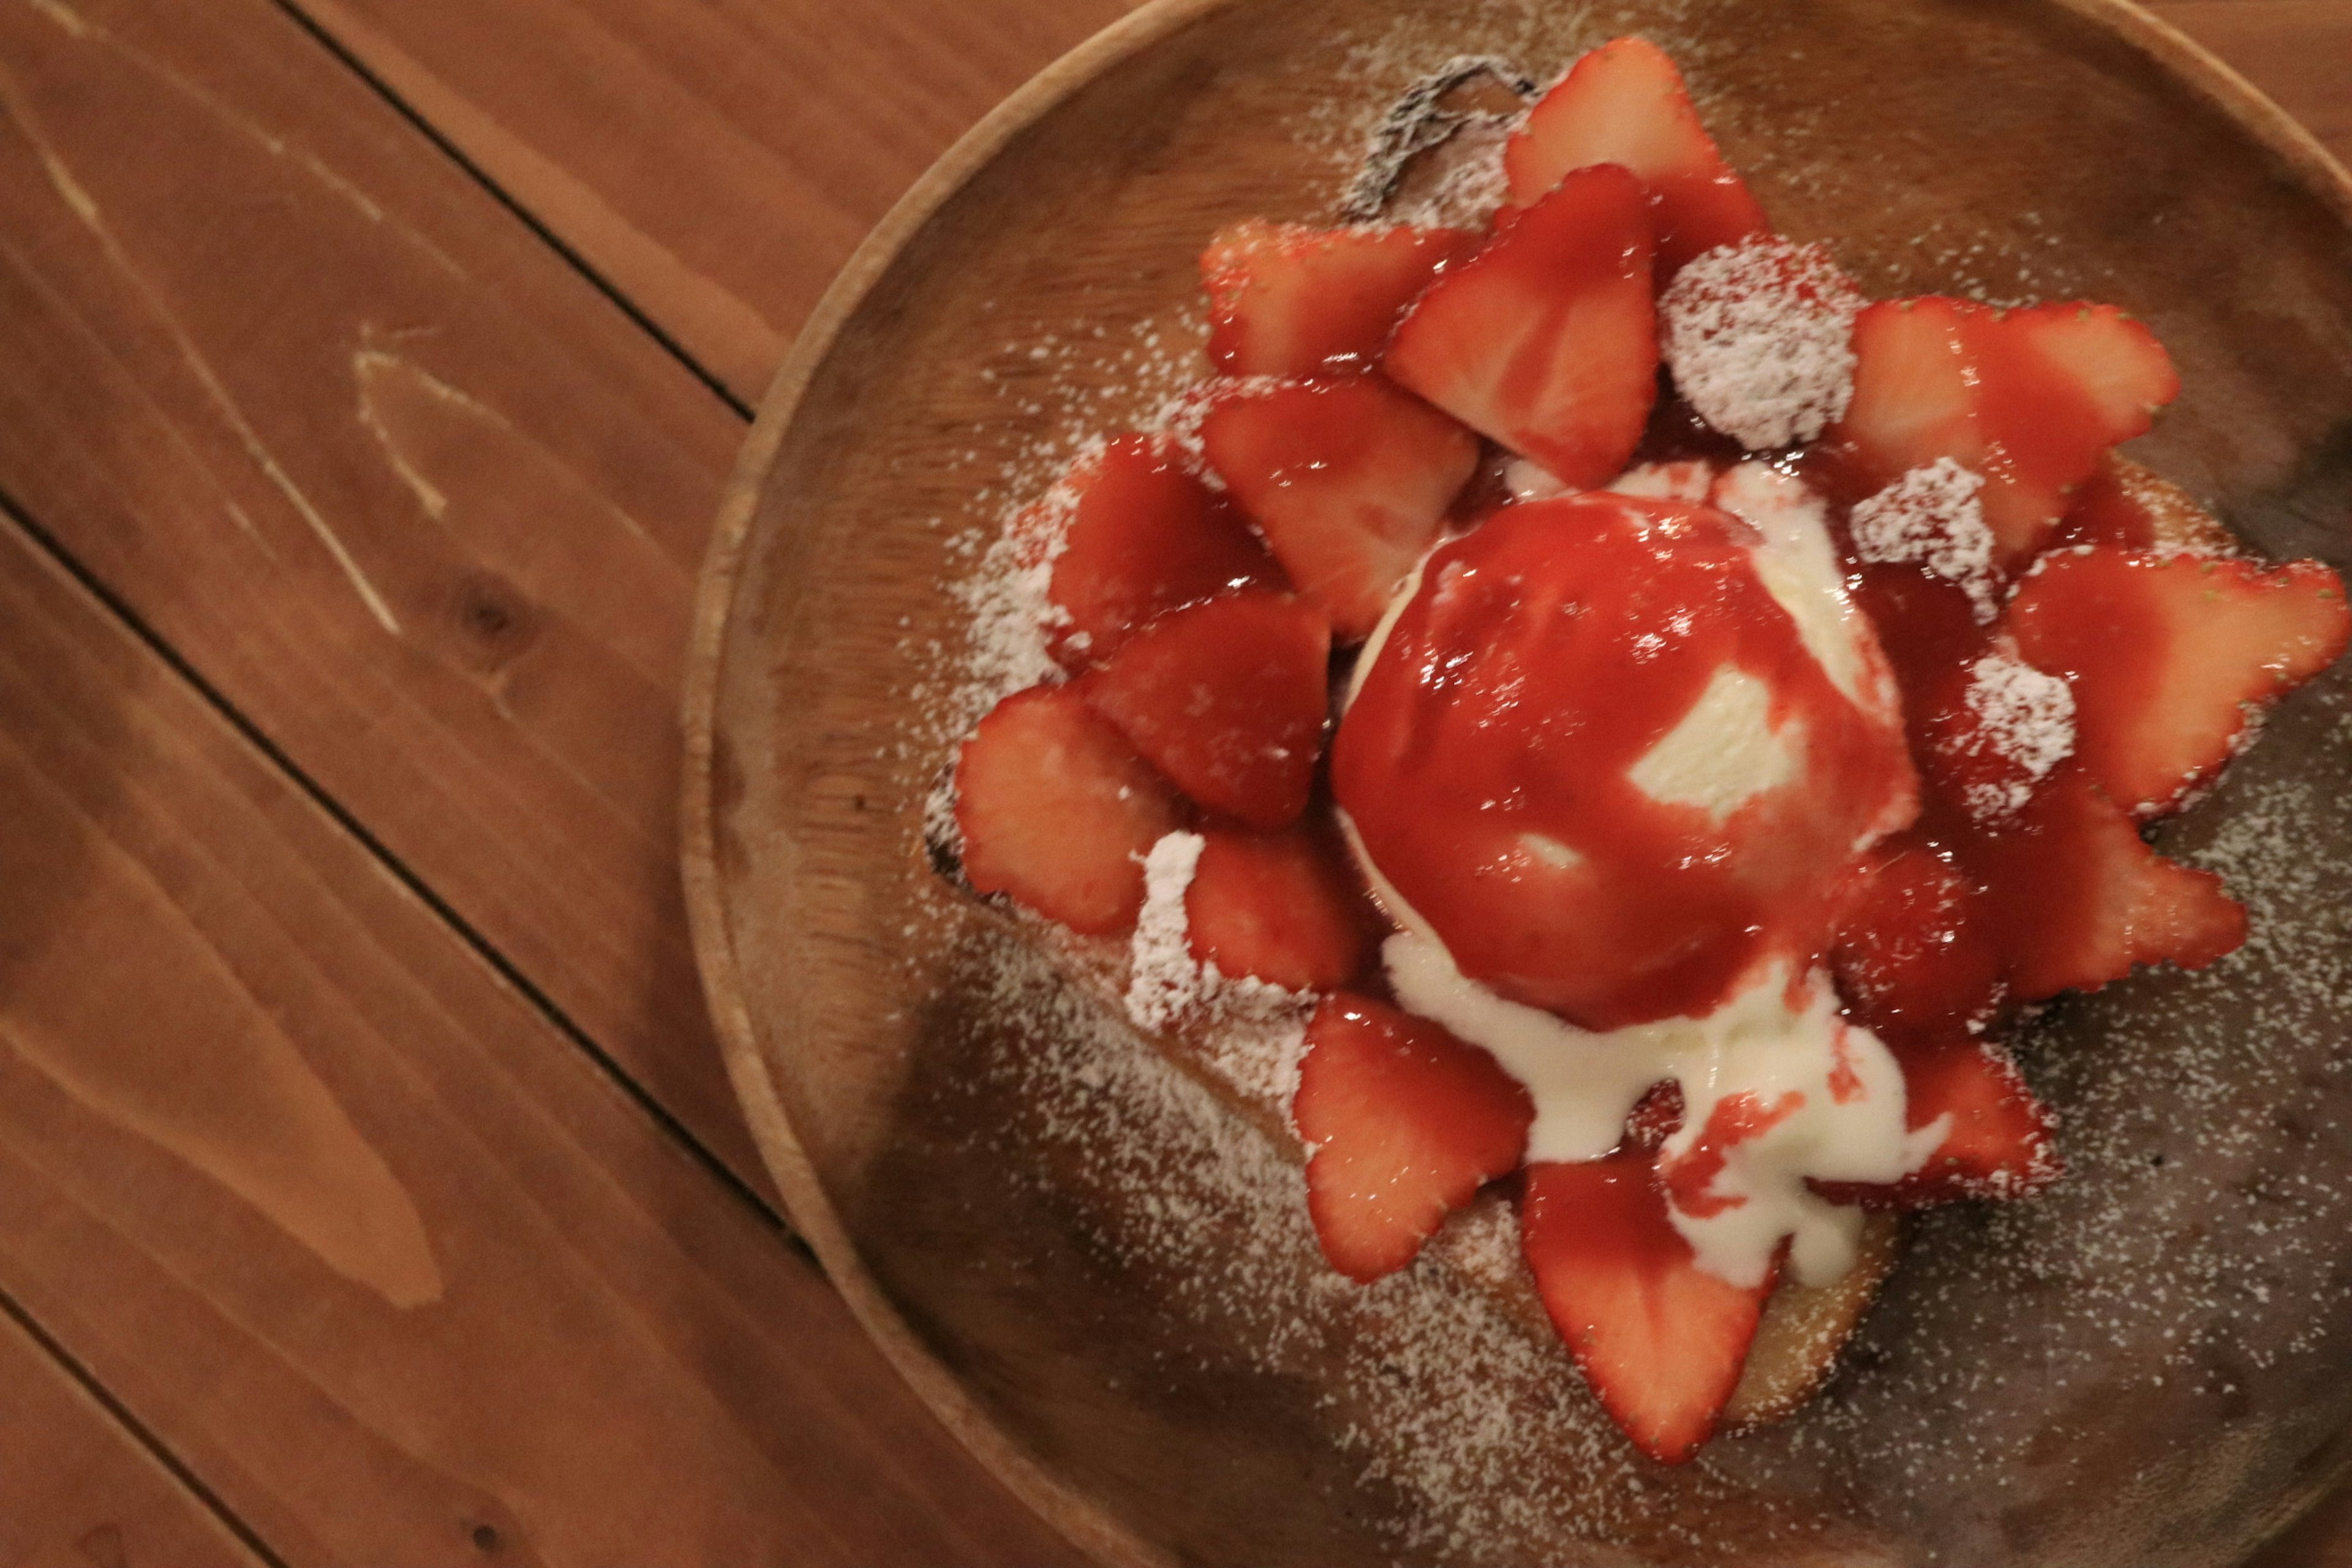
1106	1293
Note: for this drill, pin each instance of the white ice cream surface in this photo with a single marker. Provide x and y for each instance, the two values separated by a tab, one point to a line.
1724	752
1847	1124
1799	566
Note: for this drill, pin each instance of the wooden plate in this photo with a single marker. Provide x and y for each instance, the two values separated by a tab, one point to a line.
1106	1287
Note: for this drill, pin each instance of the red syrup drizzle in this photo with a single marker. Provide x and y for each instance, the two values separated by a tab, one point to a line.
1545	654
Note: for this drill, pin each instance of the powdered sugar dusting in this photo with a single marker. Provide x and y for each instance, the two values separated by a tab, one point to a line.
1163	978
1439	1395
1760	337
1933	516
1252	1033
2026	715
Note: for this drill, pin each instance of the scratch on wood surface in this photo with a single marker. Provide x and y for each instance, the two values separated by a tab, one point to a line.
84	207
364	363
112	991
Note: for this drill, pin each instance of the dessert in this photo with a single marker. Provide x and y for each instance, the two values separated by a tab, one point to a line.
1722	808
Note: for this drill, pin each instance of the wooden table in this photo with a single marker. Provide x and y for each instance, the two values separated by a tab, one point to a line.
370	1189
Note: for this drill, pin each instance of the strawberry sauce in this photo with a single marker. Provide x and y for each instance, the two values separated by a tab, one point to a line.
1490	761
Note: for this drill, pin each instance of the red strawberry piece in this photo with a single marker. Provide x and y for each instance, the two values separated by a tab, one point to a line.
2030	399
1404	1123
1144	535
1624	103
1656	1117
2125	507
2075	898
1546	340
1228	699
1279	907
1057	811
1997	1144
1348	480
2169	655
1913	954
1285	300
1660	1339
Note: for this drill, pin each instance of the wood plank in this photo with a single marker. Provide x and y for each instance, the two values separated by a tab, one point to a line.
717	161
2298	51
399	483
77	1490
335	1213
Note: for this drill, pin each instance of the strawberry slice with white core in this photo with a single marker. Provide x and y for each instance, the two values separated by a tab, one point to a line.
1056	810
2077	899
1404	1123
1277	907
2030	399
2172	657
1998	1139
1624	103
1143	535
1286	299
1660	1339
1759	337
1228	699
1348	480
1546	340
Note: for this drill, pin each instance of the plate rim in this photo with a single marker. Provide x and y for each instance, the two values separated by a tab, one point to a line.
1086	1523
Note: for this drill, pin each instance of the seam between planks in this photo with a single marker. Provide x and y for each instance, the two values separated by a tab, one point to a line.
480	945
149	1443
579	263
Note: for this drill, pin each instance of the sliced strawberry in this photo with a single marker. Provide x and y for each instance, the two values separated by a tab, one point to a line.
2076	899
1285	300
1279	907
2168	657
1228	699
1404	1123
1144	535
1624	103
1660	1339
1347	479
1057	811
1997	1144
1911	953
1656	1117
1547	338
2125	507
2030	399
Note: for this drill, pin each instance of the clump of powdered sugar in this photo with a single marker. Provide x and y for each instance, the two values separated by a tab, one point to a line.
1257	1030
1933	516
1760	337
2025	715
1163	977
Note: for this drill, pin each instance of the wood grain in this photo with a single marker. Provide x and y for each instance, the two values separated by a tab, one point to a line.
382	468
2297	51
340	1217
715	160
76	1490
